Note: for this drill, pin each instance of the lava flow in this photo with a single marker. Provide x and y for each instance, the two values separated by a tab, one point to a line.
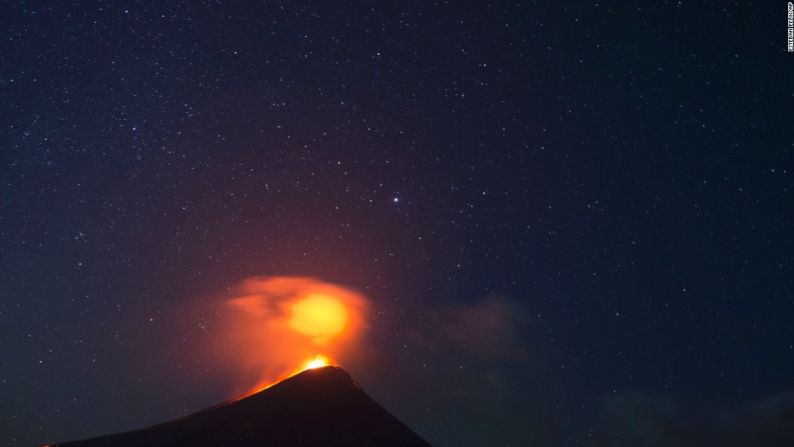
317	361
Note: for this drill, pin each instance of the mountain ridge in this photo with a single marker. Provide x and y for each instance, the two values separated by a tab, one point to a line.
321	407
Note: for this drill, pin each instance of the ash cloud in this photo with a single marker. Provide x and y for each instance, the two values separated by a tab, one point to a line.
263	334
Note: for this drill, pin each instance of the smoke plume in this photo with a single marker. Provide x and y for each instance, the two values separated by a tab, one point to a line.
270	327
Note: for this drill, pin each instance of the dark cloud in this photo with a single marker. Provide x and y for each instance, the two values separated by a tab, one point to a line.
636	419
489	328
461	371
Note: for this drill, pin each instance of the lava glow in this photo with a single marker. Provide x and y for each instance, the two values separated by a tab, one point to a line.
317	362
273	327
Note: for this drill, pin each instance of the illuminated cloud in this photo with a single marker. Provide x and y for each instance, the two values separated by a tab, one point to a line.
270	327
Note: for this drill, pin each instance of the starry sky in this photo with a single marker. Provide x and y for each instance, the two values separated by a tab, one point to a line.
573	222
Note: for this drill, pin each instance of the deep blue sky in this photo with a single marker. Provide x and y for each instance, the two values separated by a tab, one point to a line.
574	222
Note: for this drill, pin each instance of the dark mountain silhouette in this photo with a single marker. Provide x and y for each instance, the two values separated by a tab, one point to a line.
318	407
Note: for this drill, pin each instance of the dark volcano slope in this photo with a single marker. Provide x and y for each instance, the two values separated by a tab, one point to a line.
319	407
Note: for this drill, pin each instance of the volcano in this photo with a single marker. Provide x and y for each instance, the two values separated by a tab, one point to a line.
321	407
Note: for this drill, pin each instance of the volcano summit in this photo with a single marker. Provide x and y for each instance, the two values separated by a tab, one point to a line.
320	407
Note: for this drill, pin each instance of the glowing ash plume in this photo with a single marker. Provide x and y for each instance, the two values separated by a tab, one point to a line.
274	327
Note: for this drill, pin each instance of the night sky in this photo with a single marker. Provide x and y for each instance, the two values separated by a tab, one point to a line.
573	223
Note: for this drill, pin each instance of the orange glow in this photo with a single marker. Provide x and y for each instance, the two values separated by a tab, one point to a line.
320	317
317	362
271	328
